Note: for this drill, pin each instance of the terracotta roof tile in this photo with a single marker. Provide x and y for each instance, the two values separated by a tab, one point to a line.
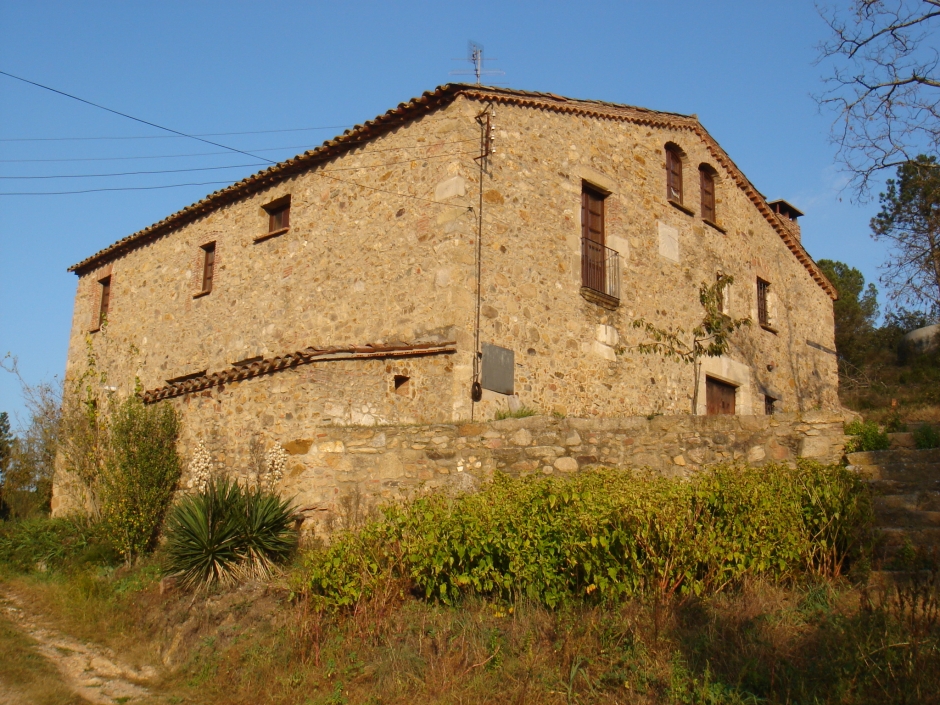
239	372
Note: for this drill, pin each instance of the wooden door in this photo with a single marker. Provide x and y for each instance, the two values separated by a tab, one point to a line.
719	397
593	261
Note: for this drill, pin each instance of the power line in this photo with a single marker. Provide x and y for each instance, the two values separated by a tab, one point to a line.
132	173
169	137
206	154
118	188
211	183
131	117
212	168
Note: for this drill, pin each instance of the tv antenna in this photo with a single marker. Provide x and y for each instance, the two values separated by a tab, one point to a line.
475	57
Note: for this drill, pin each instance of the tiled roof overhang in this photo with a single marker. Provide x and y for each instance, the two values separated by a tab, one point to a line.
265	366
426	103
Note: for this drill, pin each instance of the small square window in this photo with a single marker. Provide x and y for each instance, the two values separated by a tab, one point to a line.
278	215
402	385
769	402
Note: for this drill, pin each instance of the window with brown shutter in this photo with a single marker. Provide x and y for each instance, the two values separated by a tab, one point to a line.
707	180
673	174
763	294
208	267
105	301
278	215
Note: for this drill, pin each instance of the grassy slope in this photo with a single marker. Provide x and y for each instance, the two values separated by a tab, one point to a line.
253	646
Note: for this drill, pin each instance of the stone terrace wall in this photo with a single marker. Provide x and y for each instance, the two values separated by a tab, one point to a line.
388	462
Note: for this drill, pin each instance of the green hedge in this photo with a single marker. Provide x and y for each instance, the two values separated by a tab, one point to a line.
604	534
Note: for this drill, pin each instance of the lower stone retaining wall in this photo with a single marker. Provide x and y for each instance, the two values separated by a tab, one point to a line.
388	462
331	468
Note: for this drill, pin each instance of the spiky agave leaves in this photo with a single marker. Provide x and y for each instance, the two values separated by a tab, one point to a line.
226	532
267	533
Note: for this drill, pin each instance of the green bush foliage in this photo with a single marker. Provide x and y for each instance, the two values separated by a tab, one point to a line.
865	436
521	413
140	473
48	544
600	535
926	436
227	531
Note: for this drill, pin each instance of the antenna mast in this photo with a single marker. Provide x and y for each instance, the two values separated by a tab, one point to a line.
475	57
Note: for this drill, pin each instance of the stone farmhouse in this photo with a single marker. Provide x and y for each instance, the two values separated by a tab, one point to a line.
466	252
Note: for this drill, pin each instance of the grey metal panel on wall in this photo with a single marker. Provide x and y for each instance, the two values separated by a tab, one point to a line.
499	366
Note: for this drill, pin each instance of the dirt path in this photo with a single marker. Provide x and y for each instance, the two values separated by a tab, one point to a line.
92	672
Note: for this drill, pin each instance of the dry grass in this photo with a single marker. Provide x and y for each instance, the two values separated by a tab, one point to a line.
819	642
827	642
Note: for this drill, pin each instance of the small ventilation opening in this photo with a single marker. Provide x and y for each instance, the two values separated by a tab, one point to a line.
769	402
402	385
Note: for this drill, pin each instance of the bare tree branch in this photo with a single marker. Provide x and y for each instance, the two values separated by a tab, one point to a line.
883	85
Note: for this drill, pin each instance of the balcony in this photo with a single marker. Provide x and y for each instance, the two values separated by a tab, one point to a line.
600	274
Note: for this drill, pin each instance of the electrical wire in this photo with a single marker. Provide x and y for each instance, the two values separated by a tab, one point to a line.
208	183
206	154
169	137
131	117
211	168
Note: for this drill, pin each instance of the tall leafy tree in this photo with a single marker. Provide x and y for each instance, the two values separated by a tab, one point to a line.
909	222
856	310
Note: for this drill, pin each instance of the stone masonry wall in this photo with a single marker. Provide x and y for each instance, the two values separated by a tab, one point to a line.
381	248
381	463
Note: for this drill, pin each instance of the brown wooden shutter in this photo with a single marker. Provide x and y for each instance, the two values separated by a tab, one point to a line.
708	194
592	215
208	267
673	175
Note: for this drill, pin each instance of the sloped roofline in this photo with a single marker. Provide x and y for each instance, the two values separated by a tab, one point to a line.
427	103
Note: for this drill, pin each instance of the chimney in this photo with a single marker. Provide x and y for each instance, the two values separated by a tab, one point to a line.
787	214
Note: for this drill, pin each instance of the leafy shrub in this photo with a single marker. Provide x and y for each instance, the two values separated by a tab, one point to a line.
521	413
226	531
865	436
604	534
926	436
48	544
140	473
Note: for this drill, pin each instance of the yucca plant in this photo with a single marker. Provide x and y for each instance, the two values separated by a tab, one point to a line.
225	532
267	534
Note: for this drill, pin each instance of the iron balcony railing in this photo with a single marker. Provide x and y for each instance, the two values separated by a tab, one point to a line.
600	269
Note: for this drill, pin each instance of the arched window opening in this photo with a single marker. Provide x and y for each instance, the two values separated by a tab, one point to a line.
673	173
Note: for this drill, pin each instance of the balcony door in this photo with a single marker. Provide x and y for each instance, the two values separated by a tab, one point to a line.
593	269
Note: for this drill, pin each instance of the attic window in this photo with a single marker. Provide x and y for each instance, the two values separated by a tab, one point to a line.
707	187
673	174
278	217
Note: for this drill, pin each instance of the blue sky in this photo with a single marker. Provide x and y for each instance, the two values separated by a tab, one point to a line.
745	68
